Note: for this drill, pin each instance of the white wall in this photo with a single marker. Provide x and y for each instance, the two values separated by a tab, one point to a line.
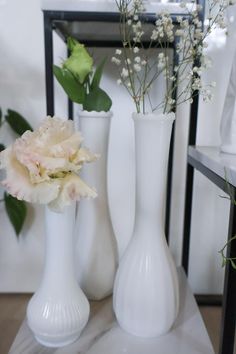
22	88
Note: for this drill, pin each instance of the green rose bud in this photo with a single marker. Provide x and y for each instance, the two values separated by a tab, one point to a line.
79	63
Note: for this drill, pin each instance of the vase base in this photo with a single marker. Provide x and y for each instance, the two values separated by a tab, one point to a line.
143	333
55	342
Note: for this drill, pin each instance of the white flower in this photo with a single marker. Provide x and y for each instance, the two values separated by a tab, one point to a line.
118	52
136	50
137	59
143	62
119	82
115	61
124	73
179	33
137	67
39	162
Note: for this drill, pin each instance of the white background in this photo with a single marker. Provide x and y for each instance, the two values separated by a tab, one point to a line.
22	88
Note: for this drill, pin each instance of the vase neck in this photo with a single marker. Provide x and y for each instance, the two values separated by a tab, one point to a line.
59	253
152	140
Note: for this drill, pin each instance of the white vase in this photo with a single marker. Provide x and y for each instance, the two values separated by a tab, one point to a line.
228	118
96	245
146	293
59	310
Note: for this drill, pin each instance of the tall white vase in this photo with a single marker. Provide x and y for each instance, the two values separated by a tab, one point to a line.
146	296
96	246
59	310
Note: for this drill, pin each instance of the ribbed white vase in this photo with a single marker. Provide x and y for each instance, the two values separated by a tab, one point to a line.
59	310
96	250
146	295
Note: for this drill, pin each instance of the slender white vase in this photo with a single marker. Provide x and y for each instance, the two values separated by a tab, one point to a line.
96	246
146	294
59	310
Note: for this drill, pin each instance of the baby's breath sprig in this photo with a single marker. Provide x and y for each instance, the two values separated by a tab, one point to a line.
137	68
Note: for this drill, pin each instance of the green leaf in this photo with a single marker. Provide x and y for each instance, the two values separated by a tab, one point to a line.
2	147
97	100
74	90
18	124
97	75
16	211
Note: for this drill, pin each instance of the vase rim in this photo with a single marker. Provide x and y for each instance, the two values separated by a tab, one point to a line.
154	116
95	114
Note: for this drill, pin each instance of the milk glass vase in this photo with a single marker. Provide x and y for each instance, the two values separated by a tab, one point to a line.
59	310
96	251
146	293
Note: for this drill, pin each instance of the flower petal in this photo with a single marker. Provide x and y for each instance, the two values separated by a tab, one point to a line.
18	184
72	188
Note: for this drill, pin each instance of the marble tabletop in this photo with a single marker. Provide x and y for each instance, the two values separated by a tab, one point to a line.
102	335
224	165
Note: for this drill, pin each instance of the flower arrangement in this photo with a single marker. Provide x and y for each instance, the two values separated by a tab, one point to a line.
15	209
138	69
43	166
80	81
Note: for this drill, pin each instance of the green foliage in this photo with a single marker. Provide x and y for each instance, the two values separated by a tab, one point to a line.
18	124
226	259
98	75
74	90
79	81
97	100
16	211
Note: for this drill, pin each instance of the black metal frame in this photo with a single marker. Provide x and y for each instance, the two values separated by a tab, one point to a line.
51	18
229	294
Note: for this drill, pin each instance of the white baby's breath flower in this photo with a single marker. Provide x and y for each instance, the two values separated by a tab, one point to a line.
119	81
124	73
136	50
137	67
115	60
118	52
137	59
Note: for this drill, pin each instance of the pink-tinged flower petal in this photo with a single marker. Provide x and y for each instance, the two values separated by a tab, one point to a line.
72	188
85	155
18	184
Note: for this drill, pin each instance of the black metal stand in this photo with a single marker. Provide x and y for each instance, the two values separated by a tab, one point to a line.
229	294
55	20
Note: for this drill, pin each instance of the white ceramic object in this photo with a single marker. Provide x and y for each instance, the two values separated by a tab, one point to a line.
146	293
228	119
59	310
97	256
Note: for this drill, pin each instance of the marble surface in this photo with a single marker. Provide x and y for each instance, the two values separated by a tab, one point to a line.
224	165
106	6
103	335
